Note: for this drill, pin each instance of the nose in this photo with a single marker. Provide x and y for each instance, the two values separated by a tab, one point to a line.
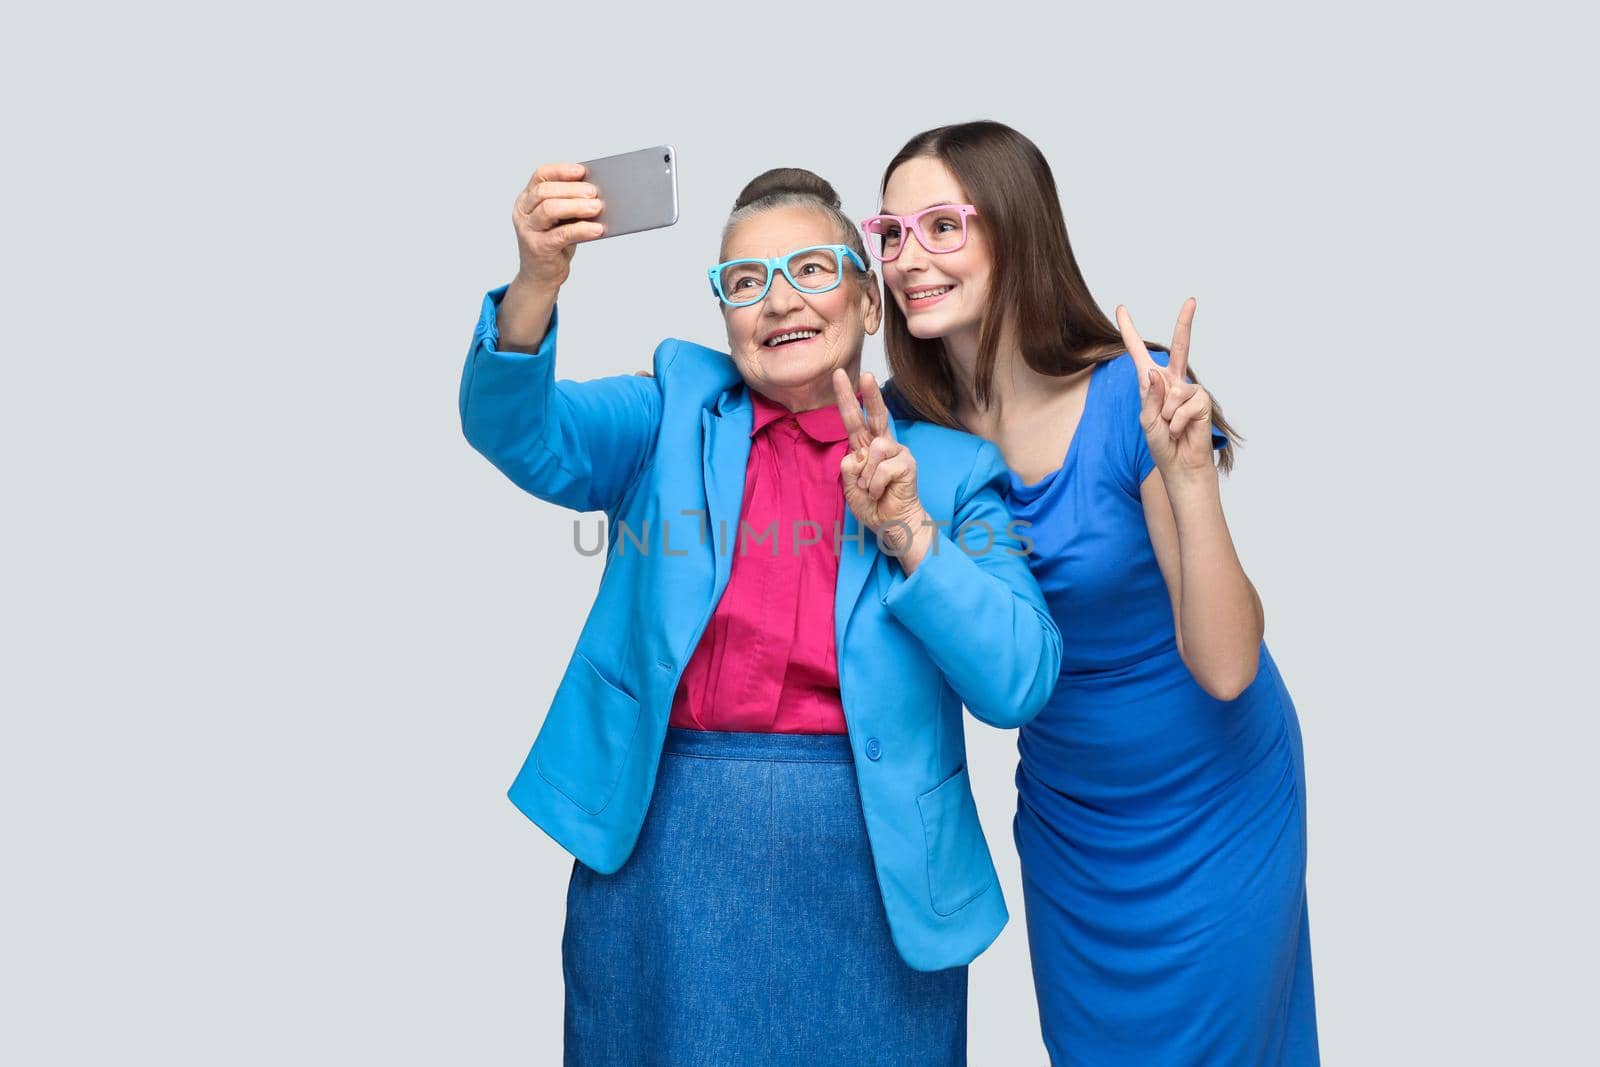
782	297
912	255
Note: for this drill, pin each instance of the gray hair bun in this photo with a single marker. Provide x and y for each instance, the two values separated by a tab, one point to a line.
787	181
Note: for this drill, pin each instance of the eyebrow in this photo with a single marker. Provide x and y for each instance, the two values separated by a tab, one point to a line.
925	207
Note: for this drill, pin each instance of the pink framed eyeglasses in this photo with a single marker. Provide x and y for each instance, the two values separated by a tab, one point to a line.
939	229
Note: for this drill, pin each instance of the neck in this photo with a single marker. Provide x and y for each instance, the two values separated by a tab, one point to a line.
795	401
811	395
1013	384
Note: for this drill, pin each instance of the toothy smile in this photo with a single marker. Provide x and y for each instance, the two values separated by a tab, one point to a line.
793	335
928	294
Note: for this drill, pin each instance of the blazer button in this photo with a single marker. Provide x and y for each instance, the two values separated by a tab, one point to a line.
874	750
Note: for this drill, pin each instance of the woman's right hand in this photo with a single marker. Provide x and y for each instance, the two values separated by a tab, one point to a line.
553	215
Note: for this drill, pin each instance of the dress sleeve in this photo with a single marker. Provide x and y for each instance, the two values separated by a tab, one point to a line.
1124	382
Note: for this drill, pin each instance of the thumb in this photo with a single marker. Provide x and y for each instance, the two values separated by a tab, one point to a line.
849	470
1153	393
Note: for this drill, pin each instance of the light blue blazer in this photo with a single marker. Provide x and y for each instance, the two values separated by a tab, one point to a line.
968	626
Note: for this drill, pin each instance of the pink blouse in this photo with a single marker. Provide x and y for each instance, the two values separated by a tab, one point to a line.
766	662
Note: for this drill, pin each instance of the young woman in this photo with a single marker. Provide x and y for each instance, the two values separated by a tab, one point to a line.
1161	802
756	754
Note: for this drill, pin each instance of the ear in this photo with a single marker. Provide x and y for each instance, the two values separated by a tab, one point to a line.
872	311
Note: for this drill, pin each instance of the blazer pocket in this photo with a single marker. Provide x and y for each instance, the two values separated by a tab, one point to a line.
959	867
584	743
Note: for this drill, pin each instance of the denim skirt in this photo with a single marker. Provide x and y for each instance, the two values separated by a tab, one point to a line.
747	926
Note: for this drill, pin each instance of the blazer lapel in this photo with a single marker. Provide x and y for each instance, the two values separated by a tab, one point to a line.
725	434
854	566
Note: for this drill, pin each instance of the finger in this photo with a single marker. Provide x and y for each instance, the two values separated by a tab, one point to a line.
1155	397
529	198
879	450
552	213
1178	364
563	191
558	172
878	421
897	468
1195	411
1178	394
1135	344
849	474
573	233
538	192
644	374
855	424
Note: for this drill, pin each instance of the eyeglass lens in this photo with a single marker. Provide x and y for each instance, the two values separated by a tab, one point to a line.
813	271
938	231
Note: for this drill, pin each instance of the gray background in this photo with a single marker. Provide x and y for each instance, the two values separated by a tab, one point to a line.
277	639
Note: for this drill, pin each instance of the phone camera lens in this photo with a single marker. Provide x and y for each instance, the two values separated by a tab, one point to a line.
666	157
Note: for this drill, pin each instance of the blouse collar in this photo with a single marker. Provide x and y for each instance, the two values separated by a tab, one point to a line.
822	424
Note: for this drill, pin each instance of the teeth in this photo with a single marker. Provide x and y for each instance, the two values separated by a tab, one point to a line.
920	293
793	335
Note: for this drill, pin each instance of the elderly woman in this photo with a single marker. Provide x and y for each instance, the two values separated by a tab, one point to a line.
756	753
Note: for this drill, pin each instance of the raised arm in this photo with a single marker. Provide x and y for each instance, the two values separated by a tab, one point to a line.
577	444
1216	612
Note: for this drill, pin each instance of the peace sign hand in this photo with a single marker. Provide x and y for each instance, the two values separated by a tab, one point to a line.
879	473
1174	412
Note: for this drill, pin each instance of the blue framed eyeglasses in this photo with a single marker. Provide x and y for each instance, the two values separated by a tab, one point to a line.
742	282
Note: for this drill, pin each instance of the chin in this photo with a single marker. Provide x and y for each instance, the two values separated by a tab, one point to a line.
798	377
796	371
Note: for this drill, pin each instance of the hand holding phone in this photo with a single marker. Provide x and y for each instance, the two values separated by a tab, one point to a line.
554	213
566	204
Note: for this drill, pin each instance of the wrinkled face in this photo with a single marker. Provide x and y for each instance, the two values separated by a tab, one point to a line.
940	295
787	345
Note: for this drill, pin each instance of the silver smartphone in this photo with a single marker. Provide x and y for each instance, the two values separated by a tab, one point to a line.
640	189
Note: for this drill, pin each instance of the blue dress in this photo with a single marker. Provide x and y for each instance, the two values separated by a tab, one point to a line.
1161	832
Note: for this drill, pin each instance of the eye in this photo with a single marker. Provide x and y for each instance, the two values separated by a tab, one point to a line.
944	226
809	268
743	283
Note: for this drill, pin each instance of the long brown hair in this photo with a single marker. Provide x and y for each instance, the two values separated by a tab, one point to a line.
1034	279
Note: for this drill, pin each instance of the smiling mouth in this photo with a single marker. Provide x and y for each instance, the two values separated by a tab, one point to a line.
924	296
792	337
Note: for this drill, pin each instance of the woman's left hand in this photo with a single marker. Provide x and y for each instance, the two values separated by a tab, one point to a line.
879	473
1174	412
